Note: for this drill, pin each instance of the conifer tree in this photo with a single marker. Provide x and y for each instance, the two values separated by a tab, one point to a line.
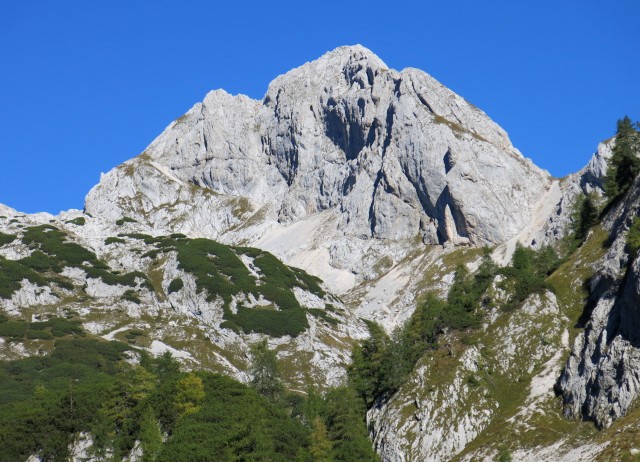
584	217
320	447
189	394
624	164
150	436
264	371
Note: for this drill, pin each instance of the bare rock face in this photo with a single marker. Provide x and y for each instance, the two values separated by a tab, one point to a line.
396	154
343	166
589	180
602	376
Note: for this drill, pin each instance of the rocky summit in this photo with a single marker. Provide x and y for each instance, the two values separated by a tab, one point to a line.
353	208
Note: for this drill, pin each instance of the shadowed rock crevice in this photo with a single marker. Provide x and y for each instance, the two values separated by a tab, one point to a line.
448	161
446	202
343	125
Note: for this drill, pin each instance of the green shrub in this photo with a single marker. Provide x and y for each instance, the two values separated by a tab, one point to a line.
41	262
61	327
6	238
62	283
633	237
38	334
123	220
78	221
13	329
309	282
504	455
152	253
12	273
528	272
52	241
112	279
132	296
139	236
114	240
269	322
46	330
133	334
176	285
322	314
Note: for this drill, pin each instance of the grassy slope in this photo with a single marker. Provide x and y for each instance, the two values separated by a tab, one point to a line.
505	392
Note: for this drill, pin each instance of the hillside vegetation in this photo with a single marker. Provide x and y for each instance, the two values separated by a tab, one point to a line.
89	388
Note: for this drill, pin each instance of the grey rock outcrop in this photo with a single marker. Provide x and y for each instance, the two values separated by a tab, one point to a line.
589	180
396	154
602	376
344	164
437	412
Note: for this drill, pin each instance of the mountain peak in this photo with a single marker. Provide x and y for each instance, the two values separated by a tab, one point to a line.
353	53
343	65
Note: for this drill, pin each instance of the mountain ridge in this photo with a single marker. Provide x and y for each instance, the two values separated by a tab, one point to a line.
383	184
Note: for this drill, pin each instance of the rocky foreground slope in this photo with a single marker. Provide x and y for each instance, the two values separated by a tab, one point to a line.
378	184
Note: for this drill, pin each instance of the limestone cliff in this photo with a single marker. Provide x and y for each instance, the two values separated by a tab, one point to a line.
602	376
394	154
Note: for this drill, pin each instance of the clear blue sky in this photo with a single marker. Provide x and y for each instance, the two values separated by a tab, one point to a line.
86	85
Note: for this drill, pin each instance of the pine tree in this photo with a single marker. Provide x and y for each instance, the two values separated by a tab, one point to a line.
264	371
624	164
346	427
320	447
189	394
584	217
150	436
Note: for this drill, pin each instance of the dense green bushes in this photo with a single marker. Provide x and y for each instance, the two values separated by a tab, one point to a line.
85	385
633	237
381	364
131	296
78	221
6	239
175	286
47	330
12	273
52	242
267	321
527	273
323	314
123	220
219	272
50	254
